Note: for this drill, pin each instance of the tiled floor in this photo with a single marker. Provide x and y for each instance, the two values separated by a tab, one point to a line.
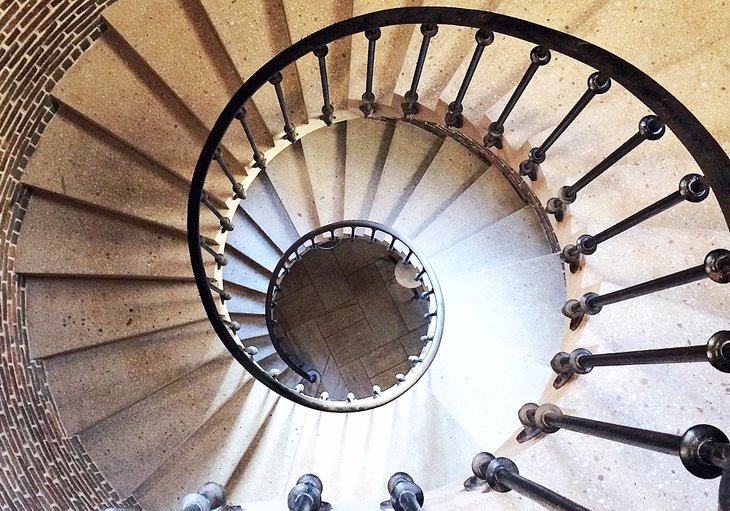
342	313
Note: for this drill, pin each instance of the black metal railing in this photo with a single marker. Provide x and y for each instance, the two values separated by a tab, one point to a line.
666	113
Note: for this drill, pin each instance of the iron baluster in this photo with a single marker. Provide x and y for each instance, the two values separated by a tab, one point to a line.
716	267
327	108
238	190
225	222
410	105
598	83
225	295
235	326
454	117
693	447
650	128
306	494
502	475
289	129
723	500
368	98
405	495
258	156
209	496
539	56
692	188
581	361
220	259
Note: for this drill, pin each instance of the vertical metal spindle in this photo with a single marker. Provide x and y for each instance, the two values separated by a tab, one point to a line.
454	117
692	188
289	128
716	267
405	494
598	83
238	190
650	128
410	105
327	108
225	222
692	447
368	98
539	56
581	361
220	259
258	156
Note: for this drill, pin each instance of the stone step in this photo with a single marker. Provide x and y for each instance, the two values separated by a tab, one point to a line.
61	238
131	445
368	141
401	171
68	314
290	178
453	170
243	271
301	23
324	153
136	107
245	300
494	246
212	452
252	325
183	34
250	240
489	199
76	160
249	49
140	365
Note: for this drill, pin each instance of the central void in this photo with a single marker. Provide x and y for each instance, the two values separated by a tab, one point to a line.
342	315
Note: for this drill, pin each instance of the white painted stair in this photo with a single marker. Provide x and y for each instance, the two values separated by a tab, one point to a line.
138	374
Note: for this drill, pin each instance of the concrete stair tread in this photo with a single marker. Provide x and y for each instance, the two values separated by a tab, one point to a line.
93	311
324	153
534	283
129	446
450	173
140	366
76	160
61	238
244	272
368	141
248	238
290	178
252	325
493	246
402	171
245	300
182	33
153	121
212	452
490	198
249	49
264	207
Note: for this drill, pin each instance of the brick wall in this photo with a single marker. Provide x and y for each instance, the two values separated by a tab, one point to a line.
40	467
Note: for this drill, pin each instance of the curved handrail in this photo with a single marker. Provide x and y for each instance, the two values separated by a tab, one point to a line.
707	153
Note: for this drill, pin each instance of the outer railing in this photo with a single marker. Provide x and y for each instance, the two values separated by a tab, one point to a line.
666	112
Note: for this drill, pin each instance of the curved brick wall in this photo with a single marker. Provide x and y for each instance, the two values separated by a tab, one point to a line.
40	467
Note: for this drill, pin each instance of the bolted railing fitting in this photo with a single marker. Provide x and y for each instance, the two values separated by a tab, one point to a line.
692	188
224	221
306	494
238	190
716	267
703	449
582	361
210	496
405	495
598	83
539	56
220	259
650	128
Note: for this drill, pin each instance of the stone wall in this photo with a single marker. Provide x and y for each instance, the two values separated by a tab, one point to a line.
40	467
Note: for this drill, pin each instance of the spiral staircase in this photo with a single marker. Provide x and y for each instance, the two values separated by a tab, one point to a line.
156	403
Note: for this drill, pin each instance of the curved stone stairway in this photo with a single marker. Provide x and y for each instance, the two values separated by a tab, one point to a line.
137	373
